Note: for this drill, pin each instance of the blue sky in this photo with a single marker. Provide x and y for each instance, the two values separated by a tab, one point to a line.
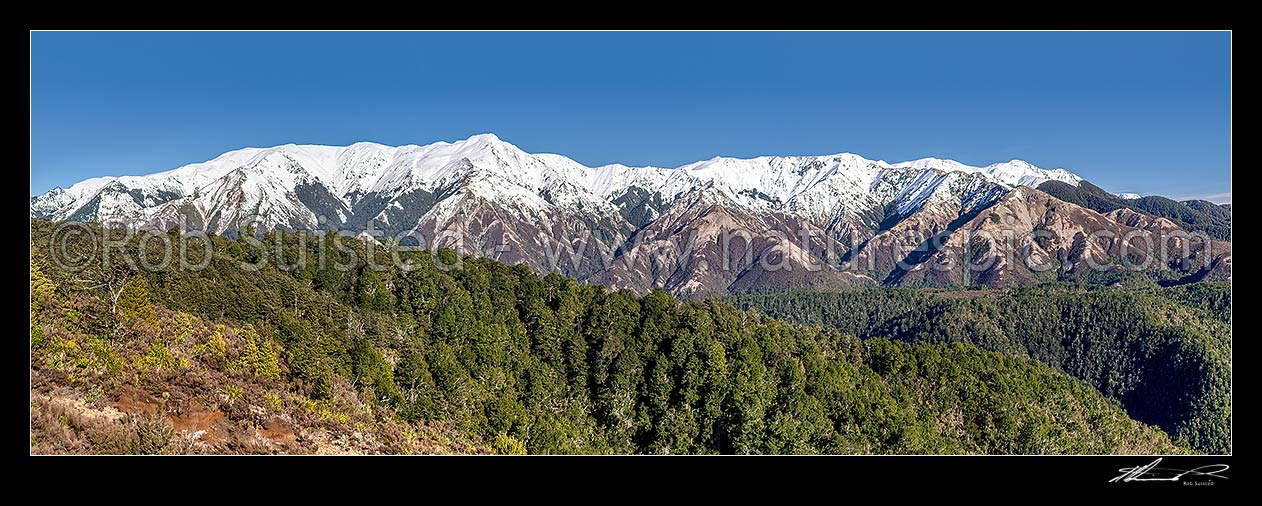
1142	112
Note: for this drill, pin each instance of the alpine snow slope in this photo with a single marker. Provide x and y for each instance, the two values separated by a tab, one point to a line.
706	228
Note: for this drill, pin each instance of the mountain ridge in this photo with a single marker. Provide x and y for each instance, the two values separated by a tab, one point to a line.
366	167
630	227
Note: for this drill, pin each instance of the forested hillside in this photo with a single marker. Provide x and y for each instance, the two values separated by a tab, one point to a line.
1163	353
484	357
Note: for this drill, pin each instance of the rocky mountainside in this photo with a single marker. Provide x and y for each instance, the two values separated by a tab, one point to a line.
1194	215
711	227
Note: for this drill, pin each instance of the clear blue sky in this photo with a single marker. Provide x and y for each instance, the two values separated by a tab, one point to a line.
1143	112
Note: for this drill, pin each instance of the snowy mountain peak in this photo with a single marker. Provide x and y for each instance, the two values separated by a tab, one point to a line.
937	164
1012	172
486	138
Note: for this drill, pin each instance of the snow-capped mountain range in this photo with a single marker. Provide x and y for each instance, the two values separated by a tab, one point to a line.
633	227
272	181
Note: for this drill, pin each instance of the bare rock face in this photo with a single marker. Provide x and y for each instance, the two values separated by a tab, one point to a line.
706	245
1133	218
1029	236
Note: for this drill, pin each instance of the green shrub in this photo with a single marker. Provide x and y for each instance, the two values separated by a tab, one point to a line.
133	303
232	393
505	444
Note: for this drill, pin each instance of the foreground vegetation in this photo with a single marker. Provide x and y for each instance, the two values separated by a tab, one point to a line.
491	358
1163	353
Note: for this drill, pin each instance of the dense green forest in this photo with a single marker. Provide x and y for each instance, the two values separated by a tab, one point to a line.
1163	353
484	357
1193	215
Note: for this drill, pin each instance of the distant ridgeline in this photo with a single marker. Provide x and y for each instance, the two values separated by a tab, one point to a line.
1193	215
485	357
1164	354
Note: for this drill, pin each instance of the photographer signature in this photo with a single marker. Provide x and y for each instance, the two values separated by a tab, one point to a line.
1151	472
